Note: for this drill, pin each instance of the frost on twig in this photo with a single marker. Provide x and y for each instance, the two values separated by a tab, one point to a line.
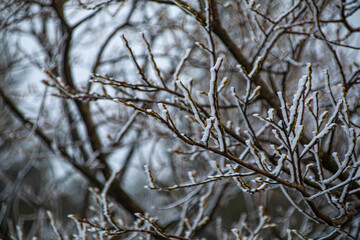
228	173
293	232
200	219
80	226
207	130
53	225
105	200
214	104
132	56
152	59
149	177
223	84
260	158
192	104
274	131
245	232
180	65
289	131
150	224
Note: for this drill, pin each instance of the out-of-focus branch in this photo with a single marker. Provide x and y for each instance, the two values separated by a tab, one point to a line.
109	38
83	108
115	192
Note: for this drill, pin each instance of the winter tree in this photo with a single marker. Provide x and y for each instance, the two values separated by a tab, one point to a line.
179	119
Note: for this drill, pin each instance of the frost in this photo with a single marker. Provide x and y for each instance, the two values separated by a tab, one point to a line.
108	183
181	64
126	127
211	96
283	108
298	132
308	167
347	158
220	139
192	176
213	79
229	124
53	225
208	17
271	114
255	93
263	223
336	158
279	165
238	131
192	104
322	134
80	226
280	17
256	66
251	4
162	109
322	117
209	125
344	183
223	83
296	100
336	110
257	155
149	176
